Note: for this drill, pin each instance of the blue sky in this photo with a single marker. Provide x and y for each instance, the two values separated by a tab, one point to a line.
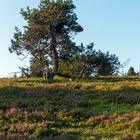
113	25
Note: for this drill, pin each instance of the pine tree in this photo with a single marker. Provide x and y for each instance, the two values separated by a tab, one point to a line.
48	33
131	72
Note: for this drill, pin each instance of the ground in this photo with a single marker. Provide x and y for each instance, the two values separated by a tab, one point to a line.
103	108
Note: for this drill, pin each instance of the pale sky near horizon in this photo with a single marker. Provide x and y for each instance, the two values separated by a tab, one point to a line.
113	25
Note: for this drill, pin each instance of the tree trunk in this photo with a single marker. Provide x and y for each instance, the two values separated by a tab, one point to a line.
55	59
82	71
50	76
54	54
44	72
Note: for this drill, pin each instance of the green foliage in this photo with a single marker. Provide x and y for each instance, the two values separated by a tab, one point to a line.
131	72
36	68
109	64
87	62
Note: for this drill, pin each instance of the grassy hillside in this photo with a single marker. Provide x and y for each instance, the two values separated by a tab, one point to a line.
105	108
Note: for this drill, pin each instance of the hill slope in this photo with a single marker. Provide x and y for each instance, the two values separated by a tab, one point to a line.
101	108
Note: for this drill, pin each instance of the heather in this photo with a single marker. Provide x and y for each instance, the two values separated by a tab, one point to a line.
98	108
